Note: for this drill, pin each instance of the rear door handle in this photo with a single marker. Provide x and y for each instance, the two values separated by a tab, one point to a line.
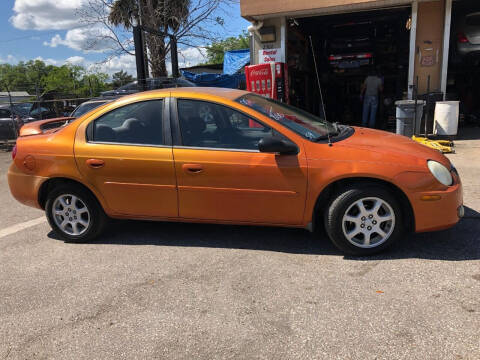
192	168
95	163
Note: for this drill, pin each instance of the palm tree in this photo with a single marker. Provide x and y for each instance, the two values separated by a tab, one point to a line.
163	15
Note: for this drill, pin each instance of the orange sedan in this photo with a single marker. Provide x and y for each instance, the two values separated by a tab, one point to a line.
232	157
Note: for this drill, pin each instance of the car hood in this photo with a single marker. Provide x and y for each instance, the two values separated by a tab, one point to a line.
381	146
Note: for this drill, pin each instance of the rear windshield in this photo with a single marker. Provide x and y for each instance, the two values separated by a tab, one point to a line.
473	20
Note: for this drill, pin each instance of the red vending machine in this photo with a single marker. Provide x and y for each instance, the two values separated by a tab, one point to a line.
269	80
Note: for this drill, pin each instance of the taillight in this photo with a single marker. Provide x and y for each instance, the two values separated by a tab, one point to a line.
462	38
14	152
333	58
365	56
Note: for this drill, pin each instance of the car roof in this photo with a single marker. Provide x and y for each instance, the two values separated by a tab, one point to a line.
97	100
230	94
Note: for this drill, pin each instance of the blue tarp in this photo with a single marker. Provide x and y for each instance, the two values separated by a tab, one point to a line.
215	80
234	60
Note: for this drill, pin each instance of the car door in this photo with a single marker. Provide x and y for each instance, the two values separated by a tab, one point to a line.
7	125
221	174
126	154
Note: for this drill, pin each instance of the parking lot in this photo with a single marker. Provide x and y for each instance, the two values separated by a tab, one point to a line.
183	291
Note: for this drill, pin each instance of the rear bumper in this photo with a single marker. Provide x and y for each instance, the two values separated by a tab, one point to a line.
24	187
440	214
349	63
464	49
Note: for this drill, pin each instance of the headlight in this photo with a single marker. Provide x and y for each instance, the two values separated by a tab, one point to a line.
440	172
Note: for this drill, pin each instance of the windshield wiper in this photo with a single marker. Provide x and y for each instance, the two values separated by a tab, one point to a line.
337	130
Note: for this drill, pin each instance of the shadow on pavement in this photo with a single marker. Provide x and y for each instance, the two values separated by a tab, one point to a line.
459	243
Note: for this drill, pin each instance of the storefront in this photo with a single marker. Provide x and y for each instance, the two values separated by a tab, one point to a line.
407	42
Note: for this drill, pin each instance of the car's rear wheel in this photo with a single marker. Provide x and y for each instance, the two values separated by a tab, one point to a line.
74	214
364	220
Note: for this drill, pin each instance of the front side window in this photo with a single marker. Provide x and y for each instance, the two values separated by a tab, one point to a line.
138	123
301	122
210	125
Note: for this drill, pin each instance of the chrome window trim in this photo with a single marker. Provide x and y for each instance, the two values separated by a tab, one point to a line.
215	149
128	144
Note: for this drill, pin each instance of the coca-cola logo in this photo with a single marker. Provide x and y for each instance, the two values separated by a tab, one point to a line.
263	72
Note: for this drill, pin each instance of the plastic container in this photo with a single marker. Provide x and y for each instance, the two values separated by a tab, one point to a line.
446	117
406	124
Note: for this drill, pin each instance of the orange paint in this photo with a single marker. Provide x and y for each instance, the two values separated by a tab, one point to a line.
219	186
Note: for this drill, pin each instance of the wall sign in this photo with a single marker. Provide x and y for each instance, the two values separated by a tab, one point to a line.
269	56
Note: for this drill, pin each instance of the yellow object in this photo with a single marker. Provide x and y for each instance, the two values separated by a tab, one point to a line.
444	146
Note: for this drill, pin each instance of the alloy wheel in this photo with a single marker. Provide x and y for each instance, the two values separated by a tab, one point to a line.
368	222
71	214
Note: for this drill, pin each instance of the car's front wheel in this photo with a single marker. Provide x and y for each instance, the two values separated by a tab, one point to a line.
363	220
74	214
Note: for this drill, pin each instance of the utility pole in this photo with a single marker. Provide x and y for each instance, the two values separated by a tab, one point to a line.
174	56
144	40
139	57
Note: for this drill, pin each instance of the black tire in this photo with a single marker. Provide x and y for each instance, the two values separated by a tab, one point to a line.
343	201
96	215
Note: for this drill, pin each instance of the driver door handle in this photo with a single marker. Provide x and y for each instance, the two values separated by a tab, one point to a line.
192	168
95	163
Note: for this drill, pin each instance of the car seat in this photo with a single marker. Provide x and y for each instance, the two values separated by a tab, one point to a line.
193	131
104	133
133	131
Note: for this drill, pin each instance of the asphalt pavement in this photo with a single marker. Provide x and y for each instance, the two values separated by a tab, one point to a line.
189	291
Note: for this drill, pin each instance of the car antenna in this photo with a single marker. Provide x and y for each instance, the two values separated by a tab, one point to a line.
320	89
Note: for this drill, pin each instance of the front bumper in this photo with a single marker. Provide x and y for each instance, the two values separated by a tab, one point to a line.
24	187
439	214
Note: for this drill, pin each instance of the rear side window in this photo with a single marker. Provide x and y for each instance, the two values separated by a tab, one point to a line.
138	123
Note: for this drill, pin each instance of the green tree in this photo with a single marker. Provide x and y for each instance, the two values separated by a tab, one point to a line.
13	77
38	78
216	50
92	85
35	72
121	78
62	80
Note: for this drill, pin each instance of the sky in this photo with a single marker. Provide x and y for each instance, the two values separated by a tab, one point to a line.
52	31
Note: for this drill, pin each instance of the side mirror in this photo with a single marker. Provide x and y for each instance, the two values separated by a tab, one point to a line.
271	144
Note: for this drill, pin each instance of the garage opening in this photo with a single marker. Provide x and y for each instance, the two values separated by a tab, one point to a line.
349	47
464	60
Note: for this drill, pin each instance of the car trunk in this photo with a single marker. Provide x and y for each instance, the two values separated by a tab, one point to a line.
472	28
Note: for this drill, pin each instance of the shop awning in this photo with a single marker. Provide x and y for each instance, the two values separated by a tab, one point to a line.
254	9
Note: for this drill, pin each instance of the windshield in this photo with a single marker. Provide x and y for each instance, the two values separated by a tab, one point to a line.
86	107
301	122
23	109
